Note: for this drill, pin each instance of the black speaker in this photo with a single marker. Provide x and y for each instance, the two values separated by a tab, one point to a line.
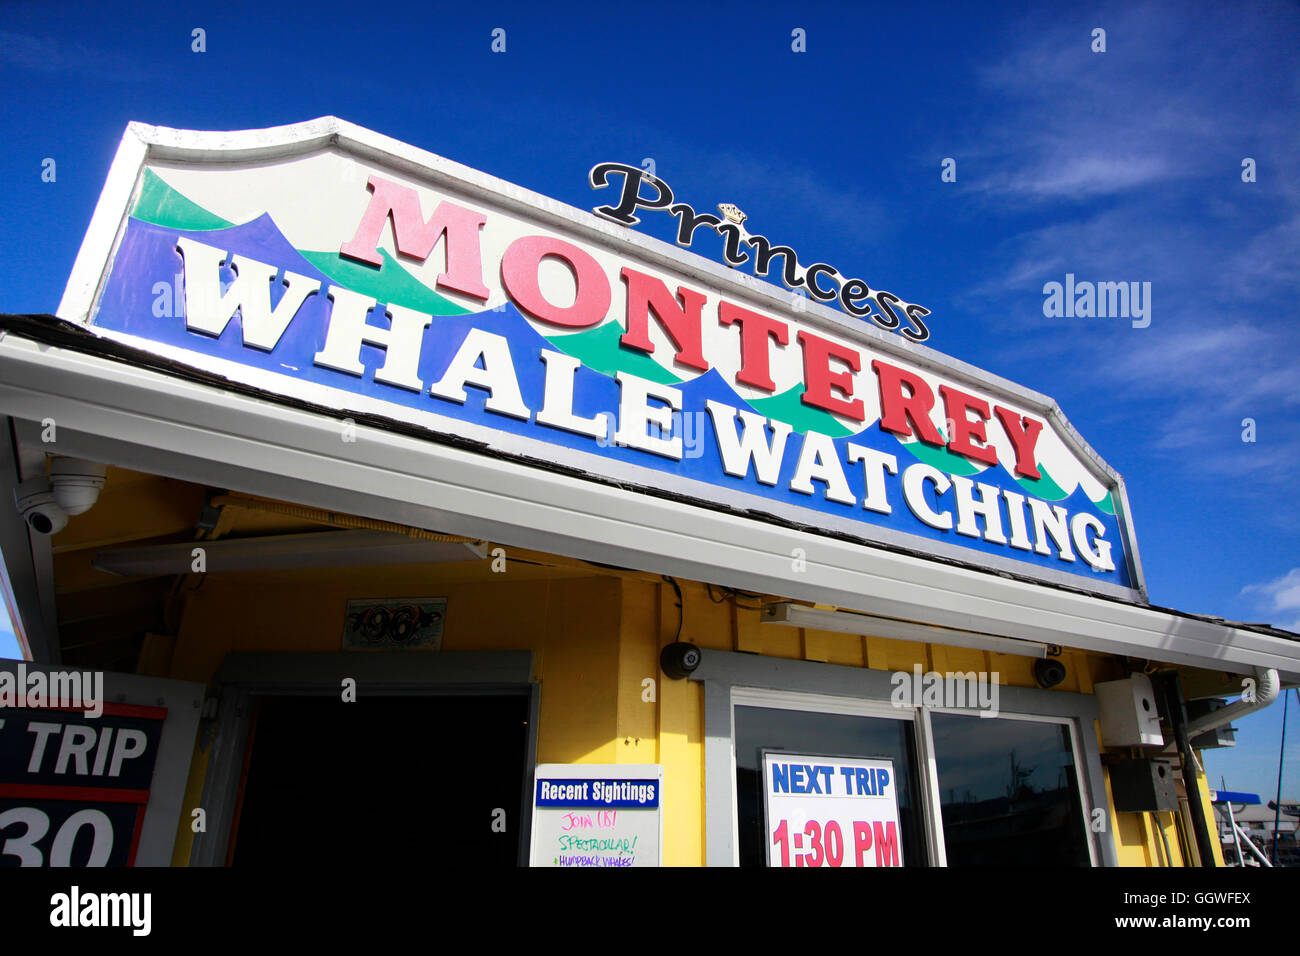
1049	671
680	659
1139	785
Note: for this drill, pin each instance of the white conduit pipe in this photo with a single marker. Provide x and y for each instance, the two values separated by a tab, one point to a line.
1267	686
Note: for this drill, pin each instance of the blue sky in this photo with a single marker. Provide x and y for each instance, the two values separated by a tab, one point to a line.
1115	166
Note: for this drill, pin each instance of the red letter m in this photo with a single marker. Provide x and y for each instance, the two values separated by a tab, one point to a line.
886	843
413	236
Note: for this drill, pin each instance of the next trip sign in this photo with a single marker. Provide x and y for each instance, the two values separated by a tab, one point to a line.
830	811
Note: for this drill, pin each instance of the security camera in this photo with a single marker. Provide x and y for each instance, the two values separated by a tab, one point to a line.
72	488
1049	672
35	501
76	483
680	660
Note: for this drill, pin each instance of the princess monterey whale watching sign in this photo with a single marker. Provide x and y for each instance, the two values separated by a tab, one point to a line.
327	264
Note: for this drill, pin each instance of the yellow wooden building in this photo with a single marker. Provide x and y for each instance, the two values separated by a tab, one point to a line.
378	578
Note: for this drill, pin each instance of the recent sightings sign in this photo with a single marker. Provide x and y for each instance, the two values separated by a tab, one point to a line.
434	296
597	815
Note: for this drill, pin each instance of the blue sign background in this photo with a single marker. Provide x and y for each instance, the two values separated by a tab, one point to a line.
148	255
591	801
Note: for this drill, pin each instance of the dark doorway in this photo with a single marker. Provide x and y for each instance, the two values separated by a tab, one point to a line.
383	781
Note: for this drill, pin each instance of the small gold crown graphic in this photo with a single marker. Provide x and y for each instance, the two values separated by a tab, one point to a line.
731	213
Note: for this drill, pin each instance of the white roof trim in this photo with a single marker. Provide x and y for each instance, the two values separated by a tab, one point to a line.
143	419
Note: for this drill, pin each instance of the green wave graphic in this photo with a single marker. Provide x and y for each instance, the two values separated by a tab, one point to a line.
163	206
390	283
1045	487
1106	504
942	458
599	349
789	407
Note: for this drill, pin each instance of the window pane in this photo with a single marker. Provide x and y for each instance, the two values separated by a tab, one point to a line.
1009	792
760	728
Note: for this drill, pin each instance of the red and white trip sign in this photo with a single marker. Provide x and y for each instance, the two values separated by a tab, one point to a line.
830	811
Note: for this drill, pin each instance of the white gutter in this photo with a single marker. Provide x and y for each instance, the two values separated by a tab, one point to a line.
1267	686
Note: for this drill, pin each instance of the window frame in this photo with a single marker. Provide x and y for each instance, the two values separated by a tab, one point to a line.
731	678
1076	754
843	706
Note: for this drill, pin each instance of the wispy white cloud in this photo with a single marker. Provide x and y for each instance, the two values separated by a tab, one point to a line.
51	55
1279	597
1083	176
1083	125
1126	167
1269	262
1196	385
